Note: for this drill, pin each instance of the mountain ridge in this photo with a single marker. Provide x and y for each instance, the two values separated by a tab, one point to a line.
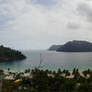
74	46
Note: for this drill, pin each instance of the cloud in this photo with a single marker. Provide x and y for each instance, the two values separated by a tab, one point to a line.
36	24
73	26
85	10
45	2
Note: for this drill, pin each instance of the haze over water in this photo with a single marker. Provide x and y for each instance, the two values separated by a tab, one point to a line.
51	60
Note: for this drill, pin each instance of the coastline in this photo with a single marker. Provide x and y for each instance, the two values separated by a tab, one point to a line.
51	61
28	73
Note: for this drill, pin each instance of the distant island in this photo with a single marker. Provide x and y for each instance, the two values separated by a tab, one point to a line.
8	54
73	46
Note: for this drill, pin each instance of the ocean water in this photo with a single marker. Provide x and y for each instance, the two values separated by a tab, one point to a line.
51	60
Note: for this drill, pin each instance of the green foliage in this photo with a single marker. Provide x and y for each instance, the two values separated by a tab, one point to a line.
7	54
85	87
1	71
41	82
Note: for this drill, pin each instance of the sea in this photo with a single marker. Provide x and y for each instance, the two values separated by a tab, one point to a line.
50	60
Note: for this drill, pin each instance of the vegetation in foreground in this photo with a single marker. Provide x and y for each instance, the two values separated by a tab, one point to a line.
49	81
7	54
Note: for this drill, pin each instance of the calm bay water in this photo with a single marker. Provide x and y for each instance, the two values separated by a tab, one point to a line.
51	60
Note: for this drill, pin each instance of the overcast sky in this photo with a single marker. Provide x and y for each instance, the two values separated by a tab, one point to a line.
37	24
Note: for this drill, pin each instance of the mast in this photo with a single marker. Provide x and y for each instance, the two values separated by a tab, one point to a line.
40	61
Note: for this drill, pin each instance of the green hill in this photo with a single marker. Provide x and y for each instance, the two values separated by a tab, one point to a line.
8	54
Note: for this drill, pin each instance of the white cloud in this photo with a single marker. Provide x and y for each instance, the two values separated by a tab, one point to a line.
32	25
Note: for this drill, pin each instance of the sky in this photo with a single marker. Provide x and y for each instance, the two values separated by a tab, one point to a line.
38	24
